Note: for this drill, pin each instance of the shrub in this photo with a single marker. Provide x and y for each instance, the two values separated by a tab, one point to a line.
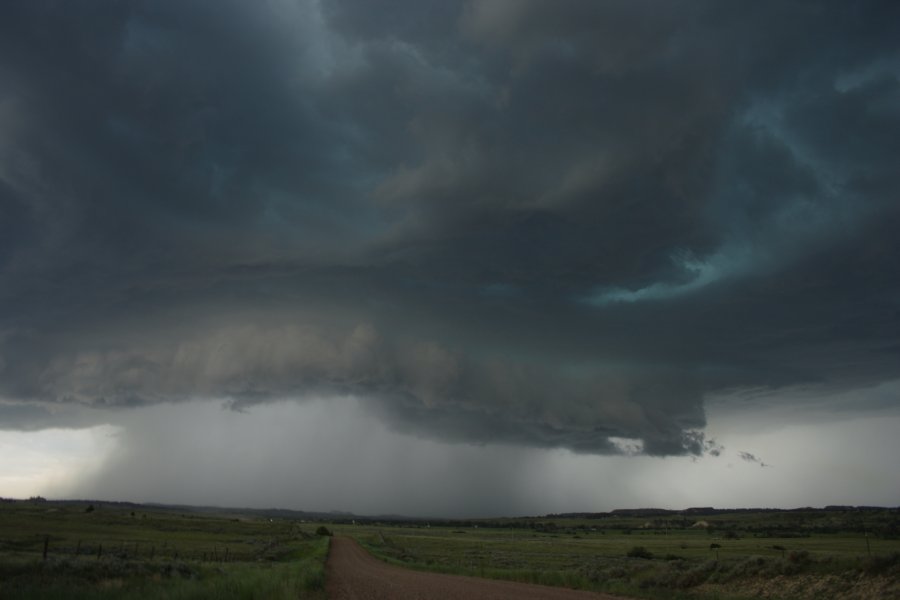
639	552
749	567
697	575
876	565
673	557
322	530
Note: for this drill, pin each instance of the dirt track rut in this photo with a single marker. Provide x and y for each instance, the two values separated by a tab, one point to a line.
354	574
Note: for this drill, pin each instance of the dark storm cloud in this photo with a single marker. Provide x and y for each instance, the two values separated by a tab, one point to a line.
35	416
538	223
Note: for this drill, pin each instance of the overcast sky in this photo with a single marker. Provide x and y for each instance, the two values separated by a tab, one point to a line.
443	257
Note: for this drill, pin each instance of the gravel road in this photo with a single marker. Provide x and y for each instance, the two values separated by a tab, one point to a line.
354	574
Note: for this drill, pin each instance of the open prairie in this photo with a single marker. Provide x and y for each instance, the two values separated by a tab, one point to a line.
106	550
117	550
785	554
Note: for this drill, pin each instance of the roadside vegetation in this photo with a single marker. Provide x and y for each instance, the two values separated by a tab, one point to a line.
779	555
82	550
92	550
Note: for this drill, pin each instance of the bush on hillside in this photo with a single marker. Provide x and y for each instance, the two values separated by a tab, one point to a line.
639	552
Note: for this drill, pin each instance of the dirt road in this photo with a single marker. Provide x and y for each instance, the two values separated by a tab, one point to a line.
354	574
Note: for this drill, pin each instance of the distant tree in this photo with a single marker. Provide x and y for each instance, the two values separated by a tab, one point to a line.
89	509
322	530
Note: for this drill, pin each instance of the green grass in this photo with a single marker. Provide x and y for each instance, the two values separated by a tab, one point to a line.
117	551
818	560
114	552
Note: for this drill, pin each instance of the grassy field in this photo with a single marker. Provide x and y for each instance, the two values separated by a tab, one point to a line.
742	555
116	551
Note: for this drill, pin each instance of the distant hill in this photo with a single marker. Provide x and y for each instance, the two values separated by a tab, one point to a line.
348	517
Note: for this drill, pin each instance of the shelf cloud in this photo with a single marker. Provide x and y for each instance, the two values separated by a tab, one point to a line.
555	225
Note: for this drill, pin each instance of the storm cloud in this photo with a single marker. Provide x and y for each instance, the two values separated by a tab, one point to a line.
559	225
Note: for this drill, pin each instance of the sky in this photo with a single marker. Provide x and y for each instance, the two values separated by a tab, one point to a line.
451	257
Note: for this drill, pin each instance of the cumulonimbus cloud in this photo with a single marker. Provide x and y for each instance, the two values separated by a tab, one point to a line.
508	229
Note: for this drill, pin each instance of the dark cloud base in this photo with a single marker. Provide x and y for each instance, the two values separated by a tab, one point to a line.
548	225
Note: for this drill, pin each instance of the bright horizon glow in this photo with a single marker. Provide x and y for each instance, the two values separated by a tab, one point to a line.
36	463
